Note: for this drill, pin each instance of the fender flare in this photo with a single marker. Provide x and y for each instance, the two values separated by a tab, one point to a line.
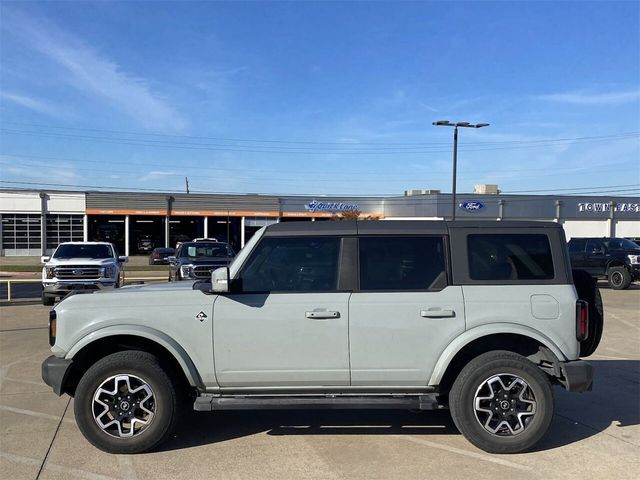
162	339
484	331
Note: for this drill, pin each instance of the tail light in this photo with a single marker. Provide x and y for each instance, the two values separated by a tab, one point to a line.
156	255
52	327
582	320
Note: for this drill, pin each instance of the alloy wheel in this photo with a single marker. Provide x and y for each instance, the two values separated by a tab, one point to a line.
505	405
123	405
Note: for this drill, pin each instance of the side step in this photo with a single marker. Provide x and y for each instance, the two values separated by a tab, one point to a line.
209	402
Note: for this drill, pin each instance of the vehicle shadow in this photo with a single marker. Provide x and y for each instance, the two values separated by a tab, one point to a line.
613	404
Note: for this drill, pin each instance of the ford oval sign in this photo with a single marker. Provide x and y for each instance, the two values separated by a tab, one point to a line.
472	206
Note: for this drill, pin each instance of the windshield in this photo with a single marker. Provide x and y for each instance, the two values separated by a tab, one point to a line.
83	251
620	244
195	250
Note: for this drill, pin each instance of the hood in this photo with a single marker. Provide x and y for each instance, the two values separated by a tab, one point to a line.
80	261
625	251
205	260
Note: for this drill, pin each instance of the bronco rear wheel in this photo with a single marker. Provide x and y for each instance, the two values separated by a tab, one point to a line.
126	403
501	402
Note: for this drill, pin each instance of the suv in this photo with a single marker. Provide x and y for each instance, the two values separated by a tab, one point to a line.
478	317
616	259
197	259
78	266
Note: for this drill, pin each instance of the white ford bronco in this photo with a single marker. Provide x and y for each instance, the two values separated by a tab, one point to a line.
482	318
80	266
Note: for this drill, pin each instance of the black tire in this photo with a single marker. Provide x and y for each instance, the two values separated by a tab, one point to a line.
587	289
144	366
619	278
47	300
483	368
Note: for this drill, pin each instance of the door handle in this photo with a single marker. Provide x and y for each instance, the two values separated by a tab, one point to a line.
438	313
322	314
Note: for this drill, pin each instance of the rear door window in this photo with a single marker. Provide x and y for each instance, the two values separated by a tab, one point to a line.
510	257
402	263
577	245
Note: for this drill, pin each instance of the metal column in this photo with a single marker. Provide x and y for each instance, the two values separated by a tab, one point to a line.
85	228
242	232
126	235
43	223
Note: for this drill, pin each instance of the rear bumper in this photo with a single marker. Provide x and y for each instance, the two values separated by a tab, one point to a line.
55	371
577	376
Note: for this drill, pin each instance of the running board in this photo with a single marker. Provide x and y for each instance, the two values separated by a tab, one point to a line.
209	402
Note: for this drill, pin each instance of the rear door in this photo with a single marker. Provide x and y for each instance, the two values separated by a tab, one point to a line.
404	313
288	324
577	252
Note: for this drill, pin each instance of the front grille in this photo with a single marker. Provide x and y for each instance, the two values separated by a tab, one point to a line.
204	271
78	272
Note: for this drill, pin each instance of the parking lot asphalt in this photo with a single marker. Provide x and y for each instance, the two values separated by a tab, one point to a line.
593	435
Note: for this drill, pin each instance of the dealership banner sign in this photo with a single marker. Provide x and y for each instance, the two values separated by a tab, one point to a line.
606	207
315	206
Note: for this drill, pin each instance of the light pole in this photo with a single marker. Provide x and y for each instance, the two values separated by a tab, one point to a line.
447	123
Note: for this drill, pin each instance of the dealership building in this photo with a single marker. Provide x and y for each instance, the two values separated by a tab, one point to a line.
34	222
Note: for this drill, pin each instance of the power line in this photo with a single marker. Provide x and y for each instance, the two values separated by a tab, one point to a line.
390	197
307	142
304	150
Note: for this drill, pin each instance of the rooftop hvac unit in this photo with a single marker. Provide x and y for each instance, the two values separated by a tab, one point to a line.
486	189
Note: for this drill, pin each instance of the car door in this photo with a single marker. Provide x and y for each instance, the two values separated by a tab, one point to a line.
597	257
577	253
404	313
286	322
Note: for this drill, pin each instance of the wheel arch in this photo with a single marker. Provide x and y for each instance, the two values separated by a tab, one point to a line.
114	339
515	338
615	262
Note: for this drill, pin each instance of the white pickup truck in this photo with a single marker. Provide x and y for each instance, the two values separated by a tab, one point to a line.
80	266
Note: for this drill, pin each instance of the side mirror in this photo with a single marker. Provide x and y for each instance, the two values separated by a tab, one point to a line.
123	259
45	259
598	250
220	280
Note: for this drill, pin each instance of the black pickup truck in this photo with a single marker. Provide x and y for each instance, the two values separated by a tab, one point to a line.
616	259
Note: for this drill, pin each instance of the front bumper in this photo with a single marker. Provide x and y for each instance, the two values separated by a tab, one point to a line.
635	271
577	376
55	371
61	287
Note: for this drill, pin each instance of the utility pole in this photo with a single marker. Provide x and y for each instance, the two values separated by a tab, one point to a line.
186	181
447	123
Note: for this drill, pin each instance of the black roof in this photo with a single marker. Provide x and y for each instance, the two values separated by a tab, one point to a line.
386	227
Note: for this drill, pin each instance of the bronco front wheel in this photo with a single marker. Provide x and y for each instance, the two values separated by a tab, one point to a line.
126	403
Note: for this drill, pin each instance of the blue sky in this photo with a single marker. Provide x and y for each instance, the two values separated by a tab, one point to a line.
334	98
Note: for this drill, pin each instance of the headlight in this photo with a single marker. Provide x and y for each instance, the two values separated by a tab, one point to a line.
109	271
186	271
634	258
50	272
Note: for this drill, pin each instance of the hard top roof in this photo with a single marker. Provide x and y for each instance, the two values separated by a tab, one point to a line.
386	227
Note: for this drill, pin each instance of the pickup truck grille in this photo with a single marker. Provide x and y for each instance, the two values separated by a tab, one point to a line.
78	272
204	271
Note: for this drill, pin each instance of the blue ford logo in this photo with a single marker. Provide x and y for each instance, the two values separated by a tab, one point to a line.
472	206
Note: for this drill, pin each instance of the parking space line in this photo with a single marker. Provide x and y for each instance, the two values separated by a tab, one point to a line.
31	413
466	453
54	467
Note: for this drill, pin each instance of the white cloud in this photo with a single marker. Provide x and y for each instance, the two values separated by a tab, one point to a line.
32	103
591	98
94	73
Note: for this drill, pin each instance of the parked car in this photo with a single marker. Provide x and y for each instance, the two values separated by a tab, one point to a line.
80	266
196	260
615	259
476	316
160	256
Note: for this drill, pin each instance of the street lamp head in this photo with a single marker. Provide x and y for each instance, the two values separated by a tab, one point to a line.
447	123
480	125
463	124
441	123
